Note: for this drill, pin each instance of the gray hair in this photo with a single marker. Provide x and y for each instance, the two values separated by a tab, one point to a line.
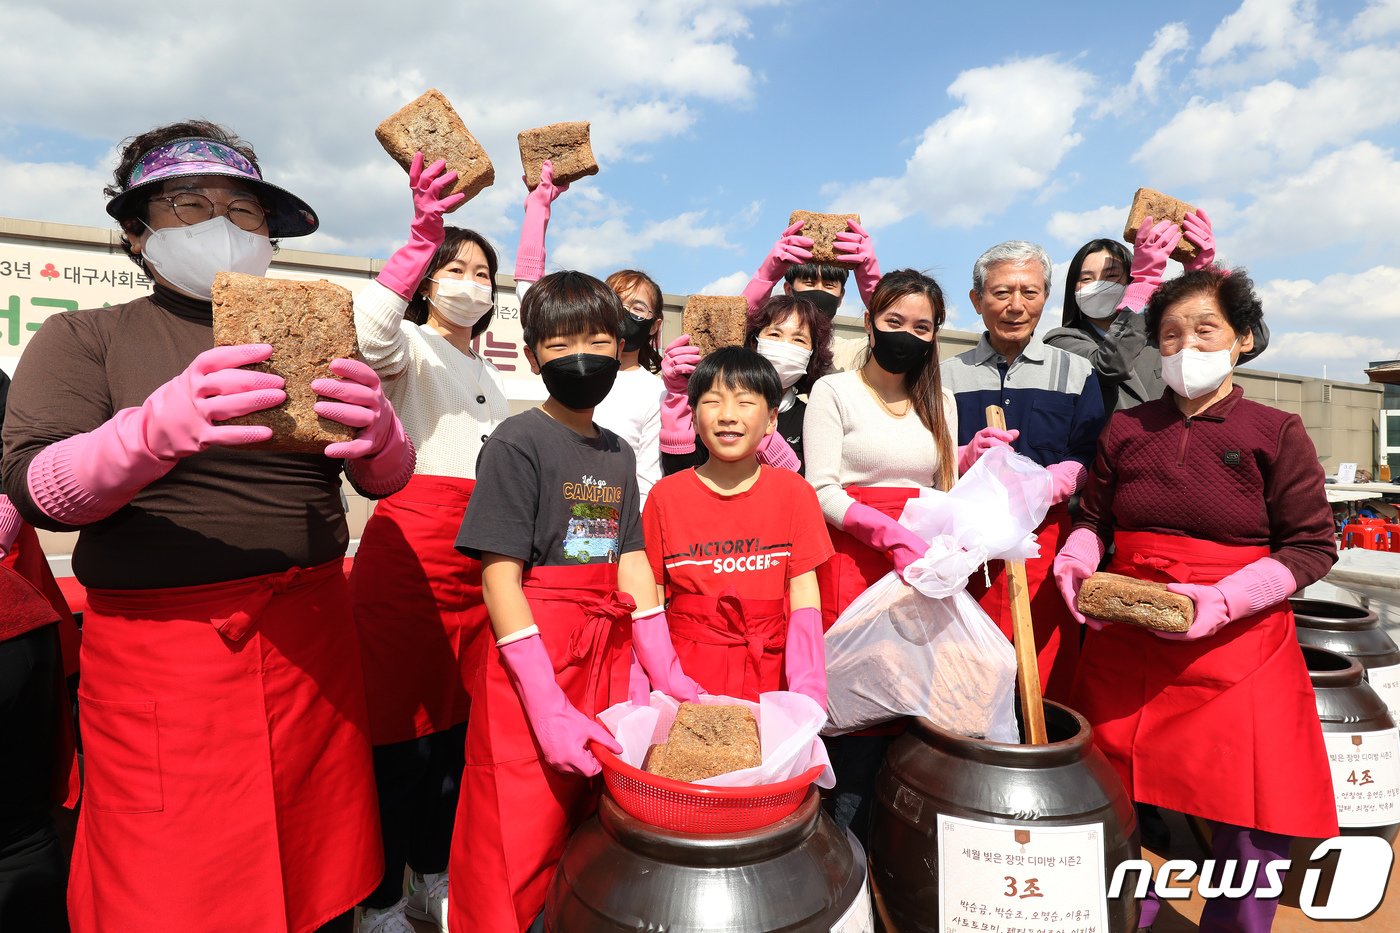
1010	251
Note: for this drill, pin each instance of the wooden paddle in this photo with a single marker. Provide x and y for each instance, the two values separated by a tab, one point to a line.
1027	673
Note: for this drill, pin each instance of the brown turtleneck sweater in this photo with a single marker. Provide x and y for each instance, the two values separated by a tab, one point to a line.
219	515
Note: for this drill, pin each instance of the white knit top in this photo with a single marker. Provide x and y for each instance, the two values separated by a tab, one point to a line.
850	440
632	411
448	401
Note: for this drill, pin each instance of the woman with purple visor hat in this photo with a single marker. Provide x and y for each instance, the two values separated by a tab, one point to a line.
228	783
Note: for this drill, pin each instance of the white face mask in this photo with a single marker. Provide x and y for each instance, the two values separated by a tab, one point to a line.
1100	299
789	359
1192	373
188	257
461	302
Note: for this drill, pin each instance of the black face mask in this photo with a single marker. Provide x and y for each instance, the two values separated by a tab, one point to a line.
635	333
898	351
580	381
826	302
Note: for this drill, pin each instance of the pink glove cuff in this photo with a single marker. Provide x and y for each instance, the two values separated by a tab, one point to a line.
85	478
389	470
677	425
529	263
405	269
1084	546
1262	584
775	451
1068	476
9	524
1136	295
965	459
758	291
804	655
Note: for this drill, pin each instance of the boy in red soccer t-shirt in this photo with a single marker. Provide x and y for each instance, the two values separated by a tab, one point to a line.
734	545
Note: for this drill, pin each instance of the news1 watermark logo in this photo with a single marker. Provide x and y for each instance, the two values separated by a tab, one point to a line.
1358	883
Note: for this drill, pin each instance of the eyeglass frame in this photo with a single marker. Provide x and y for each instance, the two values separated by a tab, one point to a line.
213	209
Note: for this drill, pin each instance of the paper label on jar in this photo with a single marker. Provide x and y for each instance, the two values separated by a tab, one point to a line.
1028	877
1365	776
858	919
1386	682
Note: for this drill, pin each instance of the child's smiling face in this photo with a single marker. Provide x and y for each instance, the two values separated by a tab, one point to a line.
733	421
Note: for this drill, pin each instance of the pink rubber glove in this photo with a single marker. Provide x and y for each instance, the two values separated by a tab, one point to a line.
563	733
1077	561
854	246
529	257
983	441
804	657
382	457
651	640
406	268
1250	589
677	420
776	452
1066	478
87	477
638	687
9	525
1195	227
791	249
1151	250
877	530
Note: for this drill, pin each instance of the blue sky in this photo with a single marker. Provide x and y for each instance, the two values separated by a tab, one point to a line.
948	127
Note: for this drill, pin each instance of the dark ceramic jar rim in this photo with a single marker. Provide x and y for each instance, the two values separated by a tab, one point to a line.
1331	616
1330	669
1069	734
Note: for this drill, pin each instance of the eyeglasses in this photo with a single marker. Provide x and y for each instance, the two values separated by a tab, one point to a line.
190	208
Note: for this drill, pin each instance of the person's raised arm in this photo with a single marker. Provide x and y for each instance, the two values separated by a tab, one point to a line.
379	307
530	255
855	246
791	249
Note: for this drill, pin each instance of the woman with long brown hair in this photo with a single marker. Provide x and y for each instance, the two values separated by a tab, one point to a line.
875	437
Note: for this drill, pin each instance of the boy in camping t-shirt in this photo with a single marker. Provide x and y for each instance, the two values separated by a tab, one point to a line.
734	545
554	522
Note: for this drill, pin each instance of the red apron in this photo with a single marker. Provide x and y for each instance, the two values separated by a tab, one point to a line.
1056	631
515	812
855	566
27	560
228	776
1223	727
730	646
418	607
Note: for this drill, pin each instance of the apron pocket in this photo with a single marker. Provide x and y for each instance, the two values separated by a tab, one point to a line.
121	757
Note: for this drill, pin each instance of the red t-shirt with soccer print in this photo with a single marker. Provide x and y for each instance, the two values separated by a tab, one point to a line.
703	542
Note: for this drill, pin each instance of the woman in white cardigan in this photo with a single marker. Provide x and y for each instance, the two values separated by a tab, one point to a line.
873	438
417	600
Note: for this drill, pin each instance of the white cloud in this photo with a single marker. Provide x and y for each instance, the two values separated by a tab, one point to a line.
308	88
61	192
1380	18
1274	126
1262	36
731	284
601	247
1349	196
1168	45
1346	322
1075	228
1014	126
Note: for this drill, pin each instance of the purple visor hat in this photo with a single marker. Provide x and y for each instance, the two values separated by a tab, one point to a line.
287	214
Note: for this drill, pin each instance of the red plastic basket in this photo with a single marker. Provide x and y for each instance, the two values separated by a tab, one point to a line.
696	808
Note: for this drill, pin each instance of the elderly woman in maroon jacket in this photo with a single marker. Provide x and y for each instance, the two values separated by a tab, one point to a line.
1222	499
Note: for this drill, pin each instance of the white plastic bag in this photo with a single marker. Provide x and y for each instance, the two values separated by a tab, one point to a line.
991	513
789	726
896	652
